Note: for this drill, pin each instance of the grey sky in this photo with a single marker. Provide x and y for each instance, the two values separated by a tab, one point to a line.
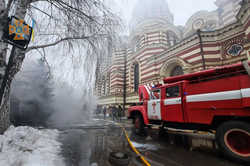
181	9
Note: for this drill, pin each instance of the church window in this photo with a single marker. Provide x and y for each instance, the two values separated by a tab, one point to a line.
177	70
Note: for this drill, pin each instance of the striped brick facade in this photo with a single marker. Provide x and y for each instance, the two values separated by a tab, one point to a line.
160	49
228	10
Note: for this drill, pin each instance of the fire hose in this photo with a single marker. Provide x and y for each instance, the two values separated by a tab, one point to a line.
133	148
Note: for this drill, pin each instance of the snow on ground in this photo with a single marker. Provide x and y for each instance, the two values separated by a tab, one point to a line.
26	146
145	146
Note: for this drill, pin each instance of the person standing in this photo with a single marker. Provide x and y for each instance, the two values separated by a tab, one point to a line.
104	112
113	112
120	113
116	112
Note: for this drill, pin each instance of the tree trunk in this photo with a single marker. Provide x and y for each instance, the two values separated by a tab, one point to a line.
4	114
13	67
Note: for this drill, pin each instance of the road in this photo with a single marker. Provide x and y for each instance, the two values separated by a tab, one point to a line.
90	145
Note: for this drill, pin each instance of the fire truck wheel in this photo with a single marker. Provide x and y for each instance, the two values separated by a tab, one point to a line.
233	139
139	125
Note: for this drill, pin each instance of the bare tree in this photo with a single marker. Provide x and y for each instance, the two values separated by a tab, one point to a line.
84	23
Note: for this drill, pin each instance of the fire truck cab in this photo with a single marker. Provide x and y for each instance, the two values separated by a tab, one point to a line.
216	99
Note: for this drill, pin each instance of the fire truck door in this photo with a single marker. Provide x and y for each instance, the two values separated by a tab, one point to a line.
154	105
172	106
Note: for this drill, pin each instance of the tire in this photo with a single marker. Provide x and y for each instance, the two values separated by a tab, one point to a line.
233	139
118	160
139	125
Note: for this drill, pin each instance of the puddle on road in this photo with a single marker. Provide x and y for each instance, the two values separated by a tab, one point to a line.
145	147
90	147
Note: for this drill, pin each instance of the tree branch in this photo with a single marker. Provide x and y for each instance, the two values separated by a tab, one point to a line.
50	16
8	5
56	42
66	5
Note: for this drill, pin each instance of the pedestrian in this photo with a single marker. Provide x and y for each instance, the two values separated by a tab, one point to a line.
114	112
120	113
117	113
104	112
109	111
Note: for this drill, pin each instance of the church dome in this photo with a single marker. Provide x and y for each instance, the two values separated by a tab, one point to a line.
150	9
203	20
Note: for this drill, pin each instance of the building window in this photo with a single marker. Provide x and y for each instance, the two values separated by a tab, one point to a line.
108	86
177	70
136	77
104	91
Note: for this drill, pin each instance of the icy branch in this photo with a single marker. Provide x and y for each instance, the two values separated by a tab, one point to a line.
56	42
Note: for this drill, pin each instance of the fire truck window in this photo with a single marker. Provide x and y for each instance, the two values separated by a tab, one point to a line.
172	91
155	94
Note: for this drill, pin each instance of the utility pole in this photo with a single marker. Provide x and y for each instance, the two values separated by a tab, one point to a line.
124	82
202	51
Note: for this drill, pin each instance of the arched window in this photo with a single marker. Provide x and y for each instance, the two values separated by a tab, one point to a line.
136	77
177	70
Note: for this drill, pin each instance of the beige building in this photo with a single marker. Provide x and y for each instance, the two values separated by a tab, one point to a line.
156	48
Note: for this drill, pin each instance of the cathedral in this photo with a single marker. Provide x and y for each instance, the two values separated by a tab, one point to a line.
156	48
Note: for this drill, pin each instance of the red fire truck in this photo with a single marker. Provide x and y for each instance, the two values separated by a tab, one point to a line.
215	99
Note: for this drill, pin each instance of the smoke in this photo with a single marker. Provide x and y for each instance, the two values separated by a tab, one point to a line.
31	95
71	106
39	100
73	81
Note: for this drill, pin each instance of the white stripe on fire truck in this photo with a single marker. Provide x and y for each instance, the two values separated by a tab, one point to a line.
172	101
147	89
225	95
245	92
